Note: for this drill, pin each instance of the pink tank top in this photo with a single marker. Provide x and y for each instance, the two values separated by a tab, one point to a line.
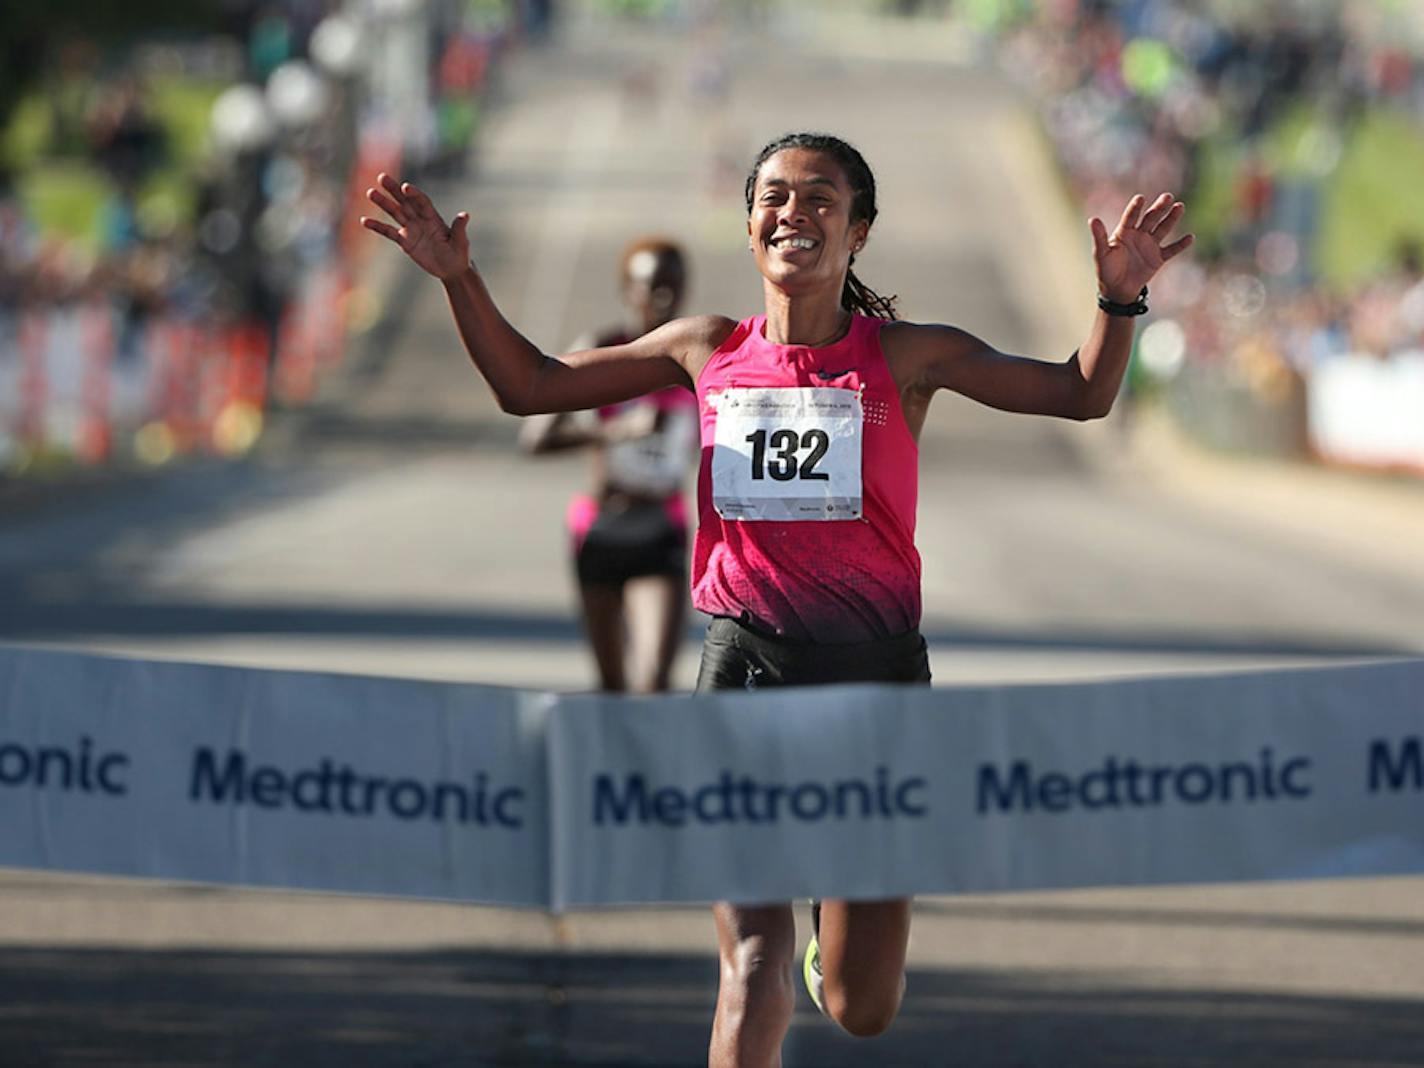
826	581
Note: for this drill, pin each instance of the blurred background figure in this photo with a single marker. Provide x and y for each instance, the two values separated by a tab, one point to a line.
629	532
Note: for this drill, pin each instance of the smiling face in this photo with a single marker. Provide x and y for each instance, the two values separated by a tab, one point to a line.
800	224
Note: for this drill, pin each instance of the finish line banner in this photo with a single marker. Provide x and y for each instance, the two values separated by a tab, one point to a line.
481	794
272	778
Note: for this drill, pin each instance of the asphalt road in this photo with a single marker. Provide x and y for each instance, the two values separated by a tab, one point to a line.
395	528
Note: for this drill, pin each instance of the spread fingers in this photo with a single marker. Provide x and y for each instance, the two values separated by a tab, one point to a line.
1132	214
1158	213
384	229
387	203
418	202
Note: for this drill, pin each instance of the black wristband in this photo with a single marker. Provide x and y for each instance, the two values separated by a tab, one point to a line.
1137	307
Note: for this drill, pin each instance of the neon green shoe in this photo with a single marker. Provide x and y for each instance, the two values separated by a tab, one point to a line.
811	966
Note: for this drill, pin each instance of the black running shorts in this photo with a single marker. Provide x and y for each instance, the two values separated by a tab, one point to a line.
736	657
632	542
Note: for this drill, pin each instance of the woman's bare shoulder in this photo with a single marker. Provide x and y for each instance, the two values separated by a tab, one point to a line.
708	331
693	340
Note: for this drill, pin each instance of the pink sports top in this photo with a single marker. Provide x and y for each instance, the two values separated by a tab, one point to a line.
827	580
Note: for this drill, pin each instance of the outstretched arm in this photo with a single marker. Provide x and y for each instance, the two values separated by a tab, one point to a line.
523	379
1084	386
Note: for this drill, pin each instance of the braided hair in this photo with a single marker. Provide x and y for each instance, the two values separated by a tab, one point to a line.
856	296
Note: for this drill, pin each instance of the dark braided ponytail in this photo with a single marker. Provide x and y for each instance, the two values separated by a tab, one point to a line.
856	296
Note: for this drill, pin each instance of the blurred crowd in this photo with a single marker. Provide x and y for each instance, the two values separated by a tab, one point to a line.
177	244
1250	112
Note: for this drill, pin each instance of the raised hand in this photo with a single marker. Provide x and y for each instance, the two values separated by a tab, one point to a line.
1127	258
420	232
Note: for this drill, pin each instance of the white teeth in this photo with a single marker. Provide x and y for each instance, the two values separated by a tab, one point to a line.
795	242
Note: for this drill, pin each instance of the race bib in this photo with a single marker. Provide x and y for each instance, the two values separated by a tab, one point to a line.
787	454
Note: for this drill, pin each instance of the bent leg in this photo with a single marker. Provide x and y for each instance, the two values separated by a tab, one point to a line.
755	997
862	946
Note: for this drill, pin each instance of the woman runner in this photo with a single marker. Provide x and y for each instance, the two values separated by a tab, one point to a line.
804	551
629	534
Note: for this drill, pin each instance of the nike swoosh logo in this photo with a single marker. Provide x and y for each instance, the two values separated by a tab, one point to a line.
826	376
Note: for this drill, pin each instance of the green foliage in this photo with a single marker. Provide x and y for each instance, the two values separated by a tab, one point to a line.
66	198
1294	145
1210	202
183	108
1368	182
1371	205
69	197
167	200
23	142
1149	67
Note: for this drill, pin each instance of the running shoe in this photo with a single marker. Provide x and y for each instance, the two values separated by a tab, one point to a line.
811	967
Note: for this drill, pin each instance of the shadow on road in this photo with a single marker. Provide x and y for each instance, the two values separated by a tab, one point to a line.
1214	919
94	609
127	1007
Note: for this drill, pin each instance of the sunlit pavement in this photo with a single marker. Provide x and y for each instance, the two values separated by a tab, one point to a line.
396	529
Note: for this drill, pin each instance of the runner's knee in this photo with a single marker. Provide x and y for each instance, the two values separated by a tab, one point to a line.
863	1016
761	966
757	982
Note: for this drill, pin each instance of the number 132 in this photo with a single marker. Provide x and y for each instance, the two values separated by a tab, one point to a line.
784	464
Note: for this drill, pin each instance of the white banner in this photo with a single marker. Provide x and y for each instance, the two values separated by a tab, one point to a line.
1369	411
272	778
380	786
873	792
